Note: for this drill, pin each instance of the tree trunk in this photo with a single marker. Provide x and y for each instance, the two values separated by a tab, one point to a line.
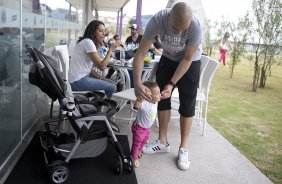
232	70
210	53
256	75
262	78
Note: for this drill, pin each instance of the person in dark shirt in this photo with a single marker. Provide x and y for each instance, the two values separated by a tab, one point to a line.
156	47
132	42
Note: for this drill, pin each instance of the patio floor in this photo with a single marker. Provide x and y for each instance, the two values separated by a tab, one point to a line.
213	159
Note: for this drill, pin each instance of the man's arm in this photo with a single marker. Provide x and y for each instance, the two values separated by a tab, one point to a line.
141	91
184	64
182	68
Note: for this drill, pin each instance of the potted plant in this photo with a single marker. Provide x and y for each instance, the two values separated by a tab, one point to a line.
147	61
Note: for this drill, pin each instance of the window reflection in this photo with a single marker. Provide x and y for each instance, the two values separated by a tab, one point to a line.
60	25
10	71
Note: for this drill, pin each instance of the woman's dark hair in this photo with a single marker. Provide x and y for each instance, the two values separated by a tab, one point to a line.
90	31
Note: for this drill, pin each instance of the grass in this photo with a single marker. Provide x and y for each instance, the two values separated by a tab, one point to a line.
251	121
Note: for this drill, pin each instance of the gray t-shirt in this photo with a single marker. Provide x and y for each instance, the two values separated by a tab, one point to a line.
174	45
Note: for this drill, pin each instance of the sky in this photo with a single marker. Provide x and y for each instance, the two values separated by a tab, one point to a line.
215	9
230	9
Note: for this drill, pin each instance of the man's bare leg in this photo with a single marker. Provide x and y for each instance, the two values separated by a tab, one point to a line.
185	128
164	119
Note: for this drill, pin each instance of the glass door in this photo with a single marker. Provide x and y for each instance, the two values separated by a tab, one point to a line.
10	78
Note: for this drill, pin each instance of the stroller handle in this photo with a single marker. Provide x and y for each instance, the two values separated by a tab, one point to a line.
32	54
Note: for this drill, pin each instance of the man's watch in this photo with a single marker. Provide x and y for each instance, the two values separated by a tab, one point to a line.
172	84
152	49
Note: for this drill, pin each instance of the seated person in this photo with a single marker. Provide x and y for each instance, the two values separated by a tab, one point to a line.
157	50
116	39
107	35
156	47
85	55
132	42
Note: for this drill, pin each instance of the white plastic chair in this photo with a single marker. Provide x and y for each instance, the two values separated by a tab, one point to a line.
204	63
63	55
206	76
175	94
203	95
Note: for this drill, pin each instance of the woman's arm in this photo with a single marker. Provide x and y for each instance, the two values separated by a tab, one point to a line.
95	74
156	48
156	51
102	64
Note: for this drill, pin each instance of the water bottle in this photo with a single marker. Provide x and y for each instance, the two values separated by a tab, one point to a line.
121	55
103	52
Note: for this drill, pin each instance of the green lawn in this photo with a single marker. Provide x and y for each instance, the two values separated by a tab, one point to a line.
251	121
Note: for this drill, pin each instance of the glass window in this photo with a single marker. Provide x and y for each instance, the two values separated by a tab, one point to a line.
10	86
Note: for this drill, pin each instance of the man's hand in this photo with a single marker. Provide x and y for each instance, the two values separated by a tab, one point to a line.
166	93
142	92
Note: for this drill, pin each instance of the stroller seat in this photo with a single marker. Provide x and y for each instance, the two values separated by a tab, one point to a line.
83	128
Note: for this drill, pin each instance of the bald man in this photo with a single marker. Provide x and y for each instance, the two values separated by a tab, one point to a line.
179	66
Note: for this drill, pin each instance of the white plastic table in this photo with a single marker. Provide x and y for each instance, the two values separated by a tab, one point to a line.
123	69
128	92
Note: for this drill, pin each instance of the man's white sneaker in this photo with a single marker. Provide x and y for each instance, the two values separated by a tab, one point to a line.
156	147
183	160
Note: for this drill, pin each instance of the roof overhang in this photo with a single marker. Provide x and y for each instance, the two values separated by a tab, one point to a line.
100	5
109	5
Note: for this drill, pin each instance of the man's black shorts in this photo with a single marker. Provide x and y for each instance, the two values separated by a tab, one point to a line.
187	85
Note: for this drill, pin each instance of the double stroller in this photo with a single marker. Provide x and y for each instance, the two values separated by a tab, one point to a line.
83	127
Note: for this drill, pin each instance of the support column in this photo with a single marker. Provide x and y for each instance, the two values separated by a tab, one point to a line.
120	23
117	24
138	14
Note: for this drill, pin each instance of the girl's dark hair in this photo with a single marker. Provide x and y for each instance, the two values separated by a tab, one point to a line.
90	31
150	84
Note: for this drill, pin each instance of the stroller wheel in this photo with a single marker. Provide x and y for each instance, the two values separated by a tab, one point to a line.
130	164
119	166
56	163
59	174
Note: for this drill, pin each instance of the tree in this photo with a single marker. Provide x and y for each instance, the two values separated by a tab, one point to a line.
266	33
208	42
239	34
